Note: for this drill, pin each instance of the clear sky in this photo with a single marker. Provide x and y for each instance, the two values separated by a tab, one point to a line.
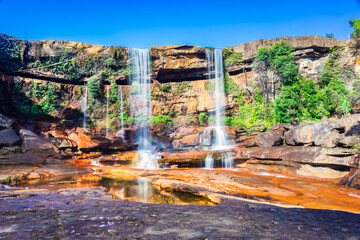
141	24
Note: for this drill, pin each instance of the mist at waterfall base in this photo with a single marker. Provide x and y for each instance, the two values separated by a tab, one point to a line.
141	106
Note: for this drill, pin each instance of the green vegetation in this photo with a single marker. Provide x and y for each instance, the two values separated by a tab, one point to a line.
330	35
160	119
94	85
355	24
165	88
231	57
75	64
181	88
12	51
39	99
299	99
203	118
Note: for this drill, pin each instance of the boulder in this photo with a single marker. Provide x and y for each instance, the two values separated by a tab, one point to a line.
6	122
8	137
349	120
354	130
33	143
270	139
328	139
187	141
61	142
88	142
347	142
182	132
352	179
313	133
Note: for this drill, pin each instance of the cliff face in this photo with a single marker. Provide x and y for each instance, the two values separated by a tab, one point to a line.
179	73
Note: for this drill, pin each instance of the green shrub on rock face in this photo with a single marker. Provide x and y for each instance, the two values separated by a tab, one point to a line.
94	85
231	57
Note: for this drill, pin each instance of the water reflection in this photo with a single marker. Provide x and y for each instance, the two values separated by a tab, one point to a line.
125	187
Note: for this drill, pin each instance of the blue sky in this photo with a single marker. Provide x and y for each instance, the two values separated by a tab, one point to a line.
143	24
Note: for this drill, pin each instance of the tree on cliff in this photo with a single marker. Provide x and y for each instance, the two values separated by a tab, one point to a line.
356	25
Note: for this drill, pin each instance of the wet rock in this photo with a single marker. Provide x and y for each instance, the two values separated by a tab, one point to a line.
352	179
8	137
312	134
6	122
33	143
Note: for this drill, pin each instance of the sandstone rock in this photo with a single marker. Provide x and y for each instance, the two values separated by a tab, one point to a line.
246	141
256	128
8	137
352	179
33	143
302	154
313	133
187	141
349	120
270	139
6	122
10	150
61	142
182	132
347	142
328	140
88	142
354	130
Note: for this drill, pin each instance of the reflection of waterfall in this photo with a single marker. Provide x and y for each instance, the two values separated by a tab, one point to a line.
144	190
216	72
209	162
107	111
227	160
122	114
140	80
85	96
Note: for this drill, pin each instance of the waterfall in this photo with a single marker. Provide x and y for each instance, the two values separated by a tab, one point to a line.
107	111
140	80
216	73
209	162
85	98
122	114
227	160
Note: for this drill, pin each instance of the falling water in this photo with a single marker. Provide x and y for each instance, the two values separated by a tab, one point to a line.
209	162
122	114
140	80
144	190
227	160
85	106
107	111
216	72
